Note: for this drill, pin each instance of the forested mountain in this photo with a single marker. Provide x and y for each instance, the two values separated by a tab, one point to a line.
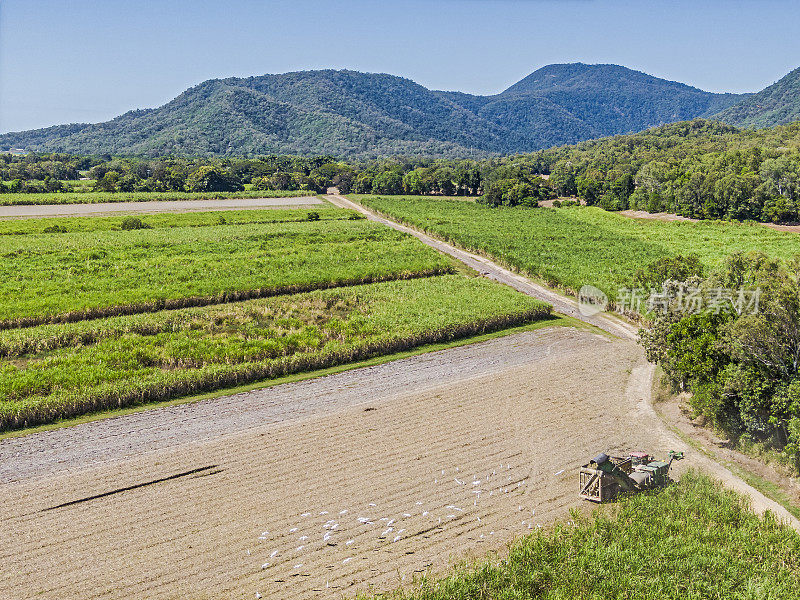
352	114
779	104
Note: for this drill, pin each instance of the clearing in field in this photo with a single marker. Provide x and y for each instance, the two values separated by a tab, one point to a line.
96	197
571	247
77	209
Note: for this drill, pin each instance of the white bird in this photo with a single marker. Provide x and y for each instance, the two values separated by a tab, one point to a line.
306	514
299	548
258	595
348	542
561	471
406	514
274	553
303	538
293	529
324	512
425	514
344	512
347	560
397	537
419	503
265	565
372	504
298	566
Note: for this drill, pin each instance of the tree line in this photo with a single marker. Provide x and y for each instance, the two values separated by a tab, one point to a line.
740	361
699	169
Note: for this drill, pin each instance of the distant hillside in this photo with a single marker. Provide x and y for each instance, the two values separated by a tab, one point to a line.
352	114
779	104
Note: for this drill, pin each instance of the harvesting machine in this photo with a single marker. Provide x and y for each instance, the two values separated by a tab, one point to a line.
605	477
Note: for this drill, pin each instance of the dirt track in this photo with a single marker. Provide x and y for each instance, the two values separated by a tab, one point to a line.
407	447
330	485
174	206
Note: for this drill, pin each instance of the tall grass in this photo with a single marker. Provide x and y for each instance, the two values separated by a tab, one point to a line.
691	540
568	248
58	371
95	197
56	277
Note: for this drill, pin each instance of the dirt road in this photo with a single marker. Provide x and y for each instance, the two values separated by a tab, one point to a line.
161	206
329	485
561	304
641	379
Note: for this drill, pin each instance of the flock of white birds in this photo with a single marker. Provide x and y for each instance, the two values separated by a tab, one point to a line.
321	530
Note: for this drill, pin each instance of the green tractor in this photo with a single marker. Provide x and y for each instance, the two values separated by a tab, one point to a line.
605	477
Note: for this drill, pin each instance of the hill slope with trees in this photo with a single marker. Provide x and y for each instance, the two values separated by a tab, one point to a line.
352	114
779	104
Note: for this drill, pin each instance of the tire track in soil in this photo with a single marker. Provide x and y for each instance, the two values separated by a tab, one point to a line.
192	535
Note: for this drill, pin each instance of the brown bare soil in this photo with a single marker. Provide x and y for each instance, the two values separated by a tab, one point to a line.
336	500
793	228
662	216
355	481
161	206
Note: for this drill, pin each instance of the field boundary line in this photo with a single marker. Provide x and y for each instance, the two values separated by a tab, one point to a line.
120	310
73	404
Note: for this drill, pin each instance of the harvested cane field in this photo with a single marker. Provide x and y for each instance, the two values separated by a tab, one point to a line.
94	197
59	270
570	247
322	487
63	370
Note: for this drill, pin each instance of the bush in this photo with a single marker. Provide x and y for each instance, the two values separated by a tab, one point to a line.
55	229
312	216
131	223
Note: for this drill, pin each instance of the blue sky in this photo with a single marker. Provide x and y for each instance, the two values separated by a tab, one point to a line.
87	61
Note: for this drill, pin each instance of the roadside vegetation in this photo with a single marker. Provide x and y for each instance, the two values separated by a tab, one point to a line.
95	267
742	367
570	247
690	540
56	371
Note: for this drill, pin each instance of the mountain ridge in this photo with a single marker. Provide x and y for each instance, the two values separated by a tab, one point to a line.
777	104
366	115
